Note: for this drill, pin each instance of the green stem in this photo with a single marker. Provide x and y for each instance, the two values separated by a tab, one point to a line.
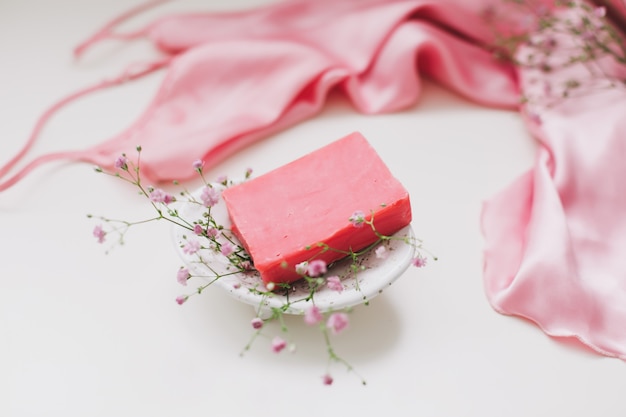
332	356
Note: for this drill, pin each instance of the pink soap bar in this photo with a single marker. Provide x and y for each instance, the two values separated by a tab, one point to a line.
279	217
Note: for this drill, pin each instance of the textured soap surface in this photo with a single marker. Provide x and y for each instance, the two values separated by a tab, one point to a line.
278	215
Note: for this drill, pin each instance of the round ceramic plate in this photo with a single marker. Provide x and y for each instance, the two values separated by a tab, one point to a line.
373	276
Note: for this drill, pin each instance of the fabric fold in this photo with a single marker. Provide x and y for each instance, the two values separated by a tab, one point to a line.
234	78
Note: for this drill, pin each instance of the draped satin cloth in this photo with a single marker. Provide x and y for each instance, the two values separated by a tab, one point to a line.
553	238
234	78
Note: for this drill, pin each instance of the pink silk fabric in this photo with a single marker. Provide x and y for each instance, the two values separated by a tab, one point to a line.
553	238
234	78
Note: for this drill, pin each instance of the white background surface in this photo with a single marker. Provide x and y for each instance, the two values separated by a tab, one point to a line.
88	334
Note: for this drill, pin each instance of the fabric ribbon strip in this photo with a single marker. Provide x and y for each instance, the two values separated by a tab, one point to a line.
553	238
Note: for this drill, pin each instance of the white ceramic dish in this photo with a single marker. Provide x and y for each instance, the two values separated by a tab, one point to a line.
371	280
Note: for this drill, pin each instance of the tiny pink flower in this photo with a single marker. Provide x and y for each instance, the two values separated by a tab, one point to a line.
212	232
312	315
334	283
197	229
327	379
198	164
222	179
301	268
381	252
248	172
337	322
160	196
419	261
550	43
236	285
210	196
534	118
256	323
599	11
191	247
182	276
245	265
278	344
588	36
227	249
99	233
121	162
357	219
316	268
181	299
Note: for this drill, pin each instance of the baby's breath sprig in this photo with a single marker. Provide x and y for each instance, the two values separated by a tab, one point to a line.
204	233
558	35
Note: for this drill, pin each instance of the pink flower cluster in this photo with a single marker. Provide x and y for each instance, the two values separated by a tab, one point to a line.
191	247
327	379
198	164
357	218
334	283
313	315
316	268
337	322
278	344
227	248
182	276
419	261
160	196
210	196
121	162
99	233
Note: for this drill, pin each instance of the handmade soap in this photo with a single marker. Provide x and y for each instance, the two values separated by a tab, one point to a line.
280	217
